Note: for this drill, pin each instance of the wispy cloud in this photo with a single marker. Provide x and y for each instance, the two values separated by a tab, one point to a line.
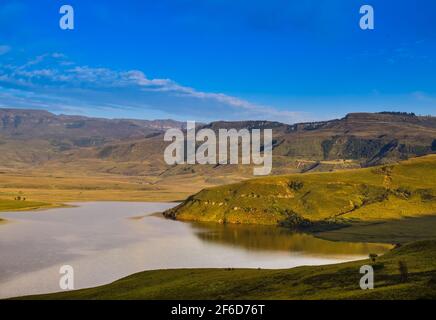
54	80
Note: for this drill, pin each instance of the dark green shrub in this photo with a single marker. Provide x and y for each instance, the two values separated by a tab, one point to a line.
296	185
373	257
378	266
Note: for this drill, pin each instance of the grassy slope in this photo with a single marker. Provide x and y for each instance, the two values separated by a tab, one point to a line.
407	189
339	281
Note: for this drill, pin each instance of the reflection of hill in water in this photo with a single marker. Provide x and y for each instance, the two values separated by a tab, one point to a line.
279	239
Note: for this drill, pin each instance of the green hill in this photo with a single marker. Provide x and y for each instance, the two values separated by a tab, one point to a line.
320	200
340	281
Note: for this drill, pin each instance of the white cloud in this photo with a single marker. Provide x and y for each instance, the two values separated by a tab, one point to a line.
54	76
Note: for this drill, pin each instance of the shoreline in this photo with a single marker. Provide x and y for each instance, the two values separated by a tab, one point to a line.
153	272
69	204
300	283
36	208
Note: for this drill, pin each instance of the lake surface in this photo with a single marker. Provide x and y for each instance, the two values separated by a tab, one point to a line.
105	241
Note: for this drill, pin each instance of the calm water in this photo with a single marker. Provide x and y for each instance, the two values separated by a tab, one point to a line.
105	241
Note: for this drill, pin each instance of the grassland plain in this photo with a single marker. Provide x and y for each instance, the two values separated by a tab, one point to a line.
42	189
340	281
321	201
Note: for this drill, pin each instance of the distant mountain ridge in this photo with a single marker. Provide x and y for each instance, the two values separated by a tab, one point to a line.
34	137
20	123
368	137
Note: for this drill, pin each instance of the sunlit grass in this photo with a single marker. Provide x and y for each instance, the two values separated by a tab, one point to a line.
388	192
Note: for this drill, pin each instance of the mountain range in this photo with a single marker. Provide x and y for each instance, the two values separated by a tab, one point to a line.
35	138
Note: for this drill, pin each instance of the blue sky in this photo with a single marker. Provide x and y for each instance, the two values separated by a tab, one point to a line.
206	60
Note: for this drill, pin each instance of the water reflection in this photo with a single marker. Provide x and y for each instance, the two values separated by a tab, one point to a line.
270	238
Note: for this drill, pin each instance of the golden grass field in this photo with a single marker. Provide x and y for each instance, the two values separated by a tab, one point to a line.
44	188
60	189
